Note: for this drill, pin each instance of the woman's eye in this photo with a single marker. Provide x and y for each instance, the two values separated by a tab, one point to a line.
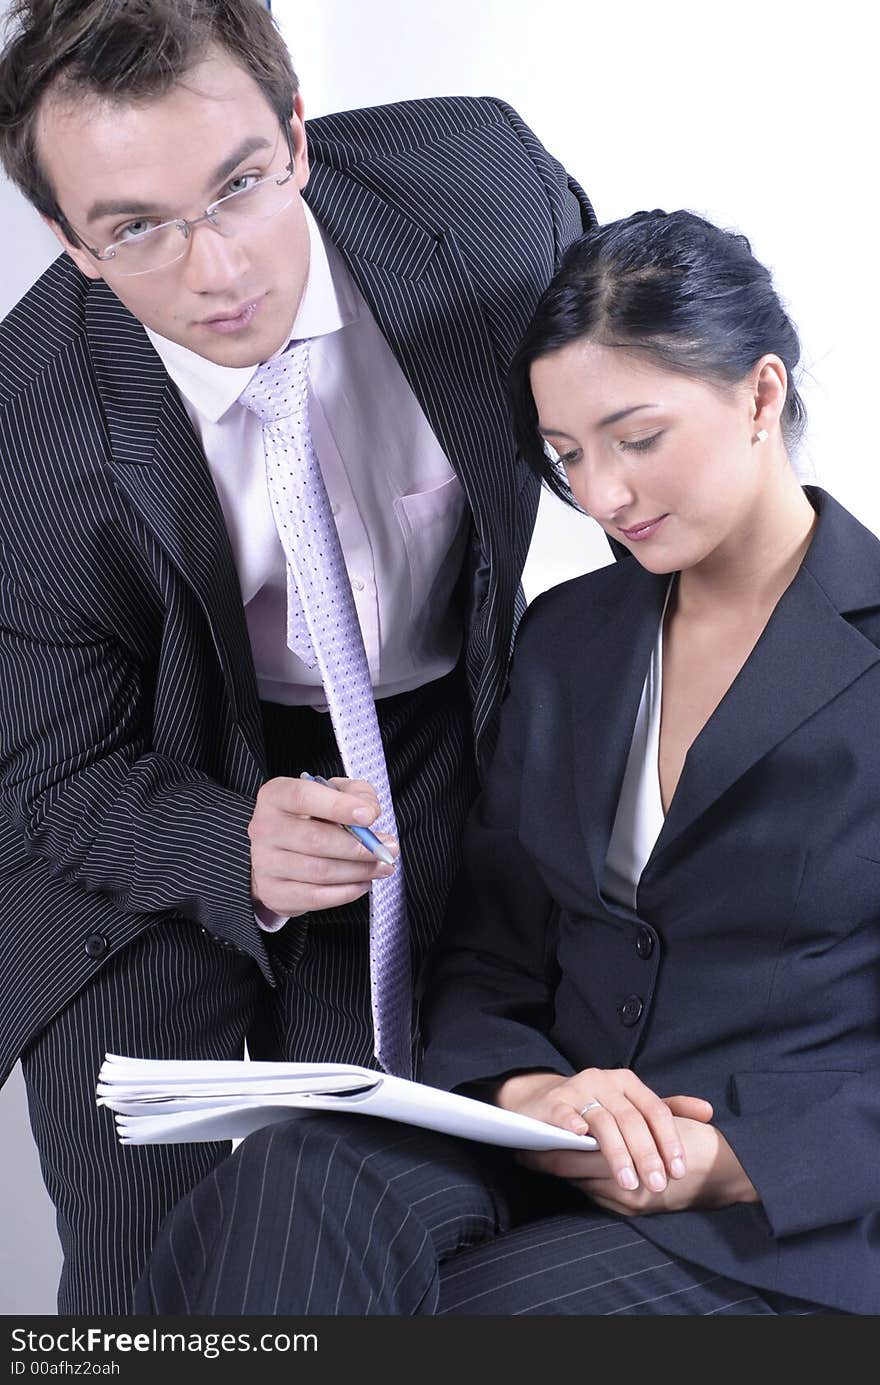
556	458
641	444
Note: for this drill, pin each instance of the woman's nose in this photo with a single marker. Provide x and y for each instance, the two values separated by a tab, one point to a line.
601	489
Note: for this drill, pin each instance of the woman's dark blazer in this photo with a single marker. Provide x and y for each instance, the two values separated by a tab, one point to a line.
750	972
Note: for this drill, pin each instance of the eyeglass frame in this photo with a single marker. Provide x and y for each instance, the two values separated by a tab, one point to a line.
185	224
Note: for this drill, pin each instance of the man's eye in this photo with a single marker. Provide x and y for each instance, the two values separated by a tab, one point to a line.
134	229
241	183
641	444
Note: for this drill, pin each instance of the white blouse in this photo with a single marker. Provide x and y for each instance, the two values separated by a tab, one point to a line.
640	815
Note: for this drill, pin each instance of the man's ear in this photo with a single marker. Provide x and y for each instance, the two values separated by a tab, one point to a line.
300	143
81	258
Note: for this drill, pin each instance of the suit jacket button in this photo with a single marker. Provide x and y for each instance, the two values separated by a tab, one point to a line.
96	945
631	1010
644	942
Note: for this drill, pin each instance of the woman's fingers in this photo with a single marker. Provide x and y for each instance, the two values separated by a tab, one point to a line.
635	1128
641	1145
691	1107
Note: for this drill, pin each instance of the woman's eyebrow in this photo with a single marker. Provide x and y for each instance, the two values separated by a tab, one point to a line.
624	413
603	422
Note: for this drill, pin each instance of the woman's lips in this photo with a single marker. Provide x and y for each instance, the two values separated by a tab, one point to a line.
236	321
645	530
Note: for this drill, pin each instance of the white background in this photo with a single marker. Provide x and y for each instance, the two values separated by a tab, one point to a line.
760	117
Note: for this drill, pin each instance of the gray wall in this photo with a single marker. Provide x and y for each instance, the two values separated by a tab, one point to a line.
30	1256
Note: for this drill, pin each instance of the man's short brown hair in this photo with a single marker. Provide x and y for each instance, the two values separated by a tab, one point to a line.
122	50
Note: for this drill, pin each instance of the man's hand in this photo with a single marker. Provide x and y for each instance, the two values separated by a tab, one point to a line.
300	858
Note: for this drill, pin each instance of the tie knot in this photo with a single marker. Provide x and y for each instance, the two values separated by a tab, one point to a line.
279	388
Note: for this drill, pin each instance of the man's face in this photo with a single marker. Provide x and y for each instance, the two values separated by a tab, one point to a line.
116	167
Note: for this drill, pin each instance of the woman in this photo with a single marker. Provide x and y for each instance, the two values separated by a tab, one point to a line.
673	880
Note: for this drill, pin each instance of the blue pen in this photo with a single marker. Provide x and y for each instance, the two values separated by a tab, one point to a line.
363	834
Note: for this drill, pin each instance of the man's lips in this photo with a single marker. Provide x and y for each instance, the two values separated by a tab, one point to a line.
244	311
643	530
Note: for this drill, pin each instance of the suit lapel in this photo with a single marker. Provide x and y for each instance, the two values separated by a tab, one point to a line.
419	288
420	291
807	654
608	674
158	464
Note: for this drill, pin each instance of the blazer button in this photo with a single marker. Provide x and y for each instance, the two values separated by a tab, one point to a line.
631	1010
96	945
644	942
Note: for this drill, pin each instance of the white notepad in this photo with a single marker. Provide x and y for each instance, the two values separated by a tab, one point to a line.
174	1102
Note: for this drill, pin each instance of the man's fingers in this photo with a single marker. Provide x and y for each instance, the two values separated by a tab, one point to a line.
292	900
355	786
303	798
292	867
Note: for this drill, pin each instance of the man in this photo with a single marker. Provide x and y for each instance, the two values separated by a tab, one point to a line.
170	887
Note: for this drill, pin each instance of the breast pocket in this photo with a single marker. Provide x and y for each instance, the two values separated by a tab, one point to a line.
435	534
752	1092
839	895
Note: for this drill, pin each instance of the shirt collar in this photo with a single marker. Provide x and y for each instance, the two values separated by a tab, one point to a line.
328	303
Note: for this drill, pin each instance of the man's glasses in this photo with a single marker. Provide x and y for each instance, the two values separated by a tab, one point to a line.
156	247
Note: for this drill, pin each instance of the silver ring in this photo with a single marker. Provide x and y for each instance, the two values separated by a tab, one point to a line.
590	1106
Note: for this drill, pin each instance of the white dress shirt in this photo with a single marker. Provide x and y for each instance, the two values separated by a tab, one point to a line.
399	507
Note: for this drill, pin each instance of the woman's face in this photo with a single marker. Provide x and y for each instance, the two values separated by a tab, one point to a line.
665	463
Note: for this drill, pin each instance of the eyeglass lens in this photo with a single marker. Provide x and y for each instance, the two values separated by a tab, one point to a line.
163	245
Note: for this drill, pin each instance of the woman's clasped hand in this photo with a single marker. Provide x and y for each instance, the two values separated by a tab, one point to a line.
656	1154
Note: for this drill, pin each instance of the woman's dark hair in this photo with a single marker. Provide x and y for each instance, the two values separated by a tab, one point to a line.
122	50
672	287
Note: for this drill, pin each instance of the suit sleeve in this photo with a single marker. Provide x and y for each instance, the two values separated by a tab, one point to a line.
487	1006
91	799
811	1148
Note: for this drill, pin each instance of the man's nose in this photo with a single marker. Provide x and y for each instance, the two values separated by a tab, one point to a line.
213	261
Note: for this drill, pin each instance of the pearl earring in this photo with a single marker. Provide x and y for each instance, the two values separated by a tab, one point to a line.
762	435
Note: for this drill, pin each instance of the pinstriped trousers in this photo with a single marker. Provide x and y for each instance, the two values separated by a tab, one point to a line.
174	993
354	1215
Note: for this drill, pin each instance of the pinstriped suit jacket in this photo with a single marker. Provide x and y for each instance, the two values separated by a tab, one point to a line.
130	734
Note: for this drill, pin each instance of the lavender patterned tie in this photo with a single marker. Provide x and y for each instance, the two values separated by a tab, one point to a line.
323	628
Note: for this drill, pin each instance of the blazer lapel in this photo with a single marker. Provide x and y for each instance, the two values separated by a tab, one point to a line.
806	655
157	462
608	675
